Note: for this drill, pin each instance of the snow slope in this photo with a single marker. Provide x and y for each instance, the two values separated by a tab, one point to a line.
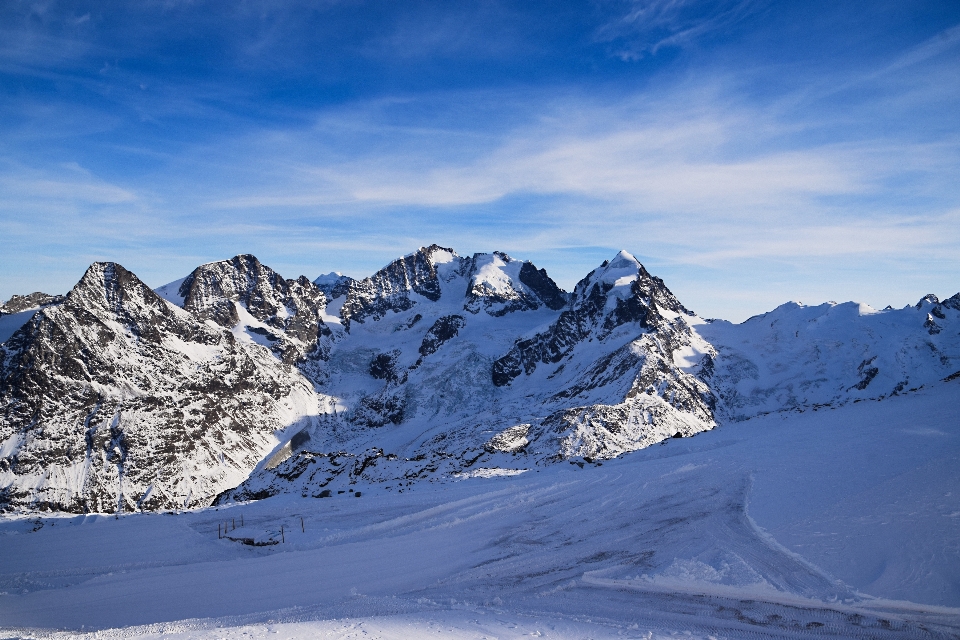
798	357
437	365
840	522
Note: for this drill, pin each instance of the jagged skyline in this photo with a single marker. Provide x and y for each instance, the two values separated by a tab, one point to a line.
434	364
748	152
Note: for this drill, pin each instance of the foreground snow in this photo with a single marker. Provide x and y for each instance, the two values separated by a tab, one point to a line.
840	522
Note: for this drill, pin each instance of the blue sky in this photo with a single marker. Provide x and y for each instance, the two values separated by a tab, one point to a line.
747	152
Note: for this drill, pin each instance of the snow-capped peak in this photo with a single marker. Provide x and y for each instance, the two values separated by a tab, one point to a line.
328	278
623	259
496	272
620	273
440	255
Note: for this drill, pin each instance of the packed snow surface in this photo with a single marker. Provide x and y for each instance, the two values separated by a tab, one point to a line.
840	522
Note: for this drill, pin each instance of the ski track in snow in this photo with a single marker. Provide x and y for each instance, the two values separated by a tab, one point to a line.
833	523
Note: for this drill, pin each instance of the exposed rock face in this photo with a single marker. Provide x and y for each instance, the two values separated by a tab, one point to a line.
116	400
35	300
436	366
390	288
285	311
442	330
500	285
617	293
496	284
384	366
542	286
953	302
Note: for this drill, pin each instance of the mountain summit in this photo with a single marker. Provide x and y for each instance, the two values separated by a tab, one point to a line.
237	383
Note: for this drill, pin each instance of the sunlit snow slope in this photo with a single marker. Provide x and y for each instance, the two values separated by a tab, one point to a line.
438	366
835	523
797	357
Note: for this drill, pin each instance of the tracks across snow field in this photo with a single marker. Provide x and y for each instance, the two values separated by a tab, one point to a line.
741	532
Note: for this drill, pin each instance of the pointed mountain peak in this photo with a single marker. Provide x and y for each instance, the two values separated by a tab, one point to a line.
108	285
615	276
226	279
109	291
212	289
625	278
624	259
389	288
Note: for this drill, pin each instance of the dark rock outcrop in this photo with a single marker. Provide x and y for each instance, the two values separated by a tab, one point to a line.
117	400
214	291
390	288
442	331
35	300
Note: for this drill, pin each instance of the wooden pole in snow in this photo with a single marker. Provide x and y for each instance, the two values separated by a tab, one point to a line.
301	526
218	531
282	539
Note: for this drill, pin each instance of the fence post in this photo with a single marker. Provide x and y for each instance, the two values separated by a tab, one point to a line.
302	529
282	539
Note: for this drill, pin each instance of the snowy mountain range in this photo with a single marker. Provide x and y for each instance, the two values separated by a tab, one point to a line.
236	383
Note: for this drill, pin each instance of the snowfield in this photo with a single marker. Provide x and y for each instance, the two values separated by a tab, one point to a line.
840	522
456	447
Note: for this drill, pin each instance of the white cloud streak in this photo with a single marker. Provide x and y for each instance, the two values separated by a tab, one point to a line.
629	167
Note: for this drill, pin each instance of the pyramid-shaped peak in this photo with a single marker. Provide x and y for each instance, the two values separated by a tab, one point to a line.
102	278
623	259
622	270
109	286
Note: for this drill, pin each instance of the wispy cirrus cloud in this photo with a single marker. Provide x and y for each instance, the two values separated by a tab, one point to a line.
645	26
72	183
734	145
677	156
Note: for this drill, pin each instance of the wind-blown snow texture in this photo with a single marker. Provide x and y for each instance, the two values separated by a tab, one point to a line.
756	530
437	366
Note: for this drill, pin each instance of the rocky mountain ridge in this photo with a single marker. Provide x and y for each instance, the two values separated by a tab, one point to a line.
35	300
115	399
436	367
